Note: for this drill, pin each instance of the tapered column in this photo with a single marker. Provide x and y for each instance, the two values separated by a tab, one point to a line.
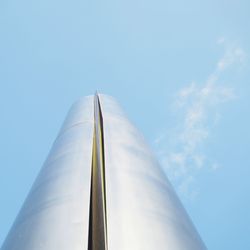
101	188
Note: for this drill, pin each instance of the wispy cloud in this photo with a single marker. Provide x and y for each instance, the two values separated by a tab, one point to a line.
233	55
198	106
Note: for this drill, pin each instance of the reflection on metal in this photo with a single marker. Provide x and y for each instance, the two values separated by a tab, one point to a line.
97	214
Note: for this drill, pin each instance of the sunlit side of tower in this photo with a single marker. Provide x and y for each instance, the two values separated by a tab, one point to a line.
101	188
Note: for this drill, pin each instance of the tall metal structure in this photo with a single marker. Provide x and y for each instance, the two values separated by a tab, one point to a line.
101	188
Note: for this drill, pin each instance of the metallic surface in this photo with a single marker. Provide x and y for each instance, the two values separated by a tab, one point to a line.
97	218
55	215
143	211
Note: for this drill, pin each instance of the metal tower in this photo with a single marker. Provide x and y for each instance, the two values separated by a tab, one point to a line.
101	188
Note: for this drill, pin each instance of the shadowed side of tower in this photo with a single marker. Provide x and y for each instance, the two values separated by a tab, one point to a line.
98	212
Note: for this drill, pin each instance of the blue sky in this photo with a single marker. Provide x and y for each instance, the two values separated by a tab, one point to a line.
179	69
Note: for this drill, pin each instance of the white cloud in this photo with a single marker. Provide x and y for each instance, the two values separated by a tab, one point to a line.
221	40
215	166
186	189
198	105
233	55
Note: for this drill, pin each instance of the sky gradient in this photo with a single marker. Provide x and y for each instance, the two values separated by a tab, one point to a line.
179	69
